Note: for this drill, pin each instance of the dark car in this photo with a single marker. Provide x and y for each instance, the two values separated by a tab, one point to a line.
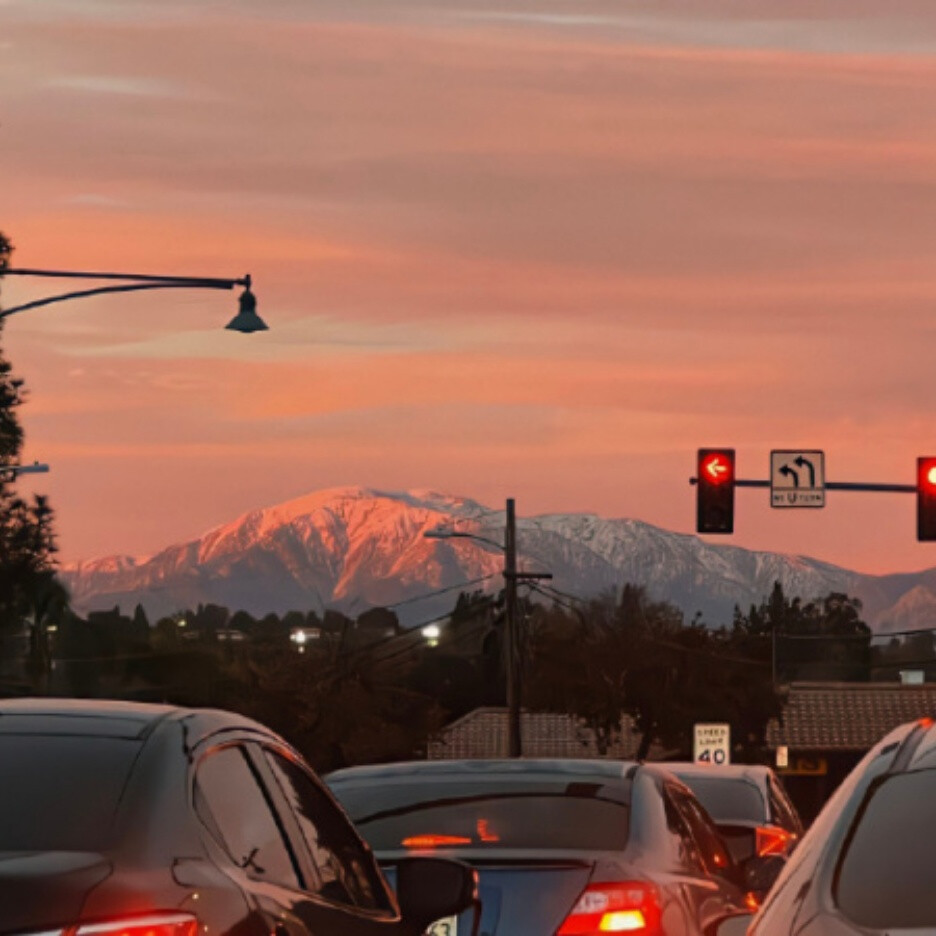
866	865
564	847
142	820
748	804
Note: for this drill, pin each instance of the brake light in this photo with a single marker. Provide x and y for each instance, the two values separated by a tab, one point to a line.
485	833
625	907
751	902
434	841
154	924
772	840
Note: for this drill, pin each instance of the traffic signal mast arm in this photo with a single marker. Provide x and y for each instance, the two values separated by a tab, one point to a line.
834	486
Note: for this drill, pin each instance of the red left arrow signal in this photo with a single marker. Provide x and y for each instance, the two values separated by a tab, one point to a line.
716	468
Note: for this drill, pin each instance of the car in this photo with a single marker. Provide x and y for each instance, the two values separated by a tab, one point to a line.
866	864
121	819
563	847
748	804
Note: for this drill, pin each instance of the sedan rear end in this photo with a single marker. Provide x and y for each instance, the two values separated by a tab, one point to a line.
563	848
516	831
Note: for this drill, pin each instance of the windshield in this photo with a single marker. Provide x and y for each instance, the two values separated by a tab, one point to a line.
728	799
565	816
885	878
61	793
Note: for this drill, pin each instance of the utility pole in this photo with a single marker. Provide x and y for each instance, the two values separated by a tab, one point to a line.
512	635
512	643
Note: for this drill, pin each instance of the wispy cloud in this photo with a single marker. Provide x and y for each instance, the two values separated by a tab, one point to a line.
118	85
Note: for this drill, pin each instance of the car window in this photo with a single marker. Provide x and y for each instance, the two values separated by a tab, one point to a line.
684	846
232	804
884	880
714	855
727	799
347	871
490	816
780	809
44	777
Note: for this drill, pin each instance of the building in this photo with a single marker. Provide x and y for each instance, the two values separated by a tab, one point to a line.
826	728
483	733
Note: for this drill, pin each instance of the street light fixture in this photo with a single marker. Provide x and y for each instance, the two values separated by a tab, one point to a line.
245	321
511	623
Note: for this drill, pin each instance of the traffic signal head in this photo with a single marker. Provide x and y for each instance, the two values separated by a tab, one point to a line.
926	499
716	484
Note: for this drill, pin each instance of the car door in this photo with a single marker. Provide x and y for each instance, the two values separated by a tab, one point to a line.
344	889
246	839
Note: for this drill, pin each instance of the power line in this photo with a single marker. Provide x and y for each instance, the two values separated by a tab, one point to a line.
441	591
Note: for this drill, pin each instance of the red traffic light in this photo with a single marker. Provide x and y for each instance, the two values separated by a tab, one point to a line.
715	494
926	473
926	499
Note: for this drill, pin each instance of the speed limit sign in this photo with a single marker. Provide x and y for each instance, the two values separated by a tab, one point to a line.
712	744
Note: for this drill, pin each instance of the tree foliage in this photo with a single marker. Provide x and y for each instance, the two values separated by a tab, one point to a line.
824	639
630	656
27	540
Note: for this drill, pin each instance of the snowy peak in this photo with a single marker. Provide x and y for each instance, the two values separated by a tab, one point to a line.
354	547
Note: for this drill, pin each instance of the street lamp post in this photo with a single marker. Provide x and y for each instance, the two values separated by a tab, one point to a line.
511	616
245	321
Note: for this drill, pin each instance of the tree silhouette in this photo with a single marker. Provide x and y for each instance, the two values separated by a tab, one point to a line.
27	540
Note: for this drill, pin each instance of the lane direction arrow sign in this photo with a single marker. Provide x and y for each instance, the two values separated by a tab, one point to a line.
790	470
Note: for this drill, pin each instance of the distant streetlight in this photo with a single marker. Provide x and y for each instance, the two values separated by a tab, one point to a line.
511	576
245	321
431	634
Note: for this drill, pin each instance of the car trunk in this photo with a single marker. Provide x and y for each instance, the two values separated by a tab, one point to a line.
519	895
46	890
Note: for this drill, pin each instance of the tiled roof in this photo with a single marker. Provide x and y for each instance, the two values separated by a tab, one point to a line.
483	733
847	716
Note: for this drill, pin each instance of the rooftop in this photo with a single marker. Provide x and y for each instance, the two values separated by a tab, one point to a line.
847	716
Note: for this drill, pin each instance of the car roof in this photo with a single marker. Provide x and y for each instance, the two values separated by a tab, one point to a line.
605	770
114	719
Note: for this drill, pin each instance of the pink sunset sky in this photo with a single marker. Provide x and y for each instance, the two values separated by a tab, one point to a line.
512	248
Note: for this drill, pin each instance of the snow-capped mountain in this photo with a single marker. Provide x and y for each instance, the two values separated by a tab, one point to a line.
353	548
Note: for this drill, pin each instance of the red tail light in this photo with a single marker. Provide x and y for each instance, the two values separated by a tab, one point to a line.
772	840
625	907
434	841
154	924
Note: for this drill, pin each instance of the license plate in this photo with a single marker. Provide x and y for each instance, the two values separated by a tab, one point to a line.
448	926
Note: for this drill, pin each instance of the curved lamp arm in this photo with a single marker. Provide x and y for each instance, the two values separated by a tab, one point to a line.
246	320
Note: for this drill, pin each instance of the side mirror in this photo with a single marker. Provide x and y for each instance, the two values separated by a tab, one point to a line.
761	873
429	889
734	925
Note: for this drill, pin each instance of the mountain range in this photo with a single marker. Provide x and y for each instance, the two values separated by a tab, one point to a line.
354	548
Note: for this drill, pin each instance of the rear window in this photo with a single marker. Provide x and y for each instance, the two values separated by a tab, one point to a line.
885	876
728	799
61	793
483	815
